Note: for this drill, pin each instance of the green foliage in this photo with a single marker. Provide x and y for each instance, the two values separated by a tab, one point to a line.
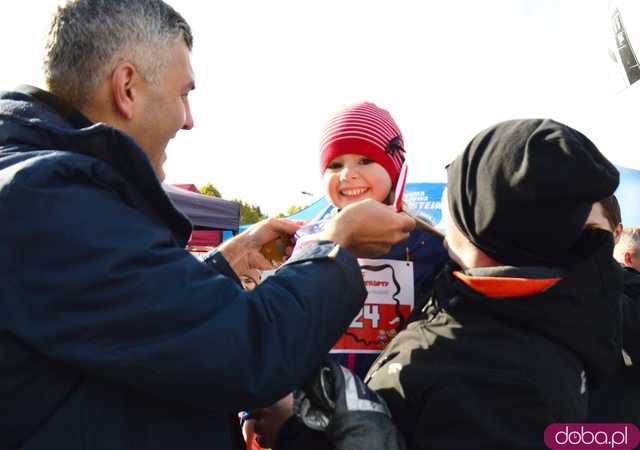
249	213
294	209
290	210
210	190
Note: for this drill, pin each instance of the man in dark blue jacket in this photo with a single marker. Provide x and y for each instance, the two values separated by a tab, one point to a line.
112	336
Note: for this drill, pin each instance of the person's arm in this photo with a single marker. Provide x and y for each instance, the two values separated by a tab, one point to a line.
366	228
276	428
429	257
102	287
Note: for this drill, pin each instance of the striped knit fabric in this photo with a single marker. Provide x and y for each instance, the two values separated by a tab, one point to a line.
364	129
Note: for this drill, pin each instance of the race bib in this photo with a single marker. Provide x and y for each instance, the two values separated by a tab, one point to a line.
389	301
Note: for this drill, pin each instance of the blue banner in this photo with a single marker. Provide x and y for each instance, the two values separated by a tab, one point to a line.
628	194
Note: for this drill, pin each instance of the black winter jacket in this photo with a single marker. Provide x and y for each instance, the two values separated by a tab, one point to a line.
618	399
485	372
479	371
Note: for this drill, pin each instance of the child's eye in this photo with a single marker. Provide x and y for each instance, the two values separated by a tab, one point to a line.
334	166
365	161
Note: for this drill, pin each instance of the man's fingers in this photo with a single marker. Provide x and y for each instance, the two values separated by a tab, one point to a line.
285	226
271	229
407	223
369	228
403	236
258	261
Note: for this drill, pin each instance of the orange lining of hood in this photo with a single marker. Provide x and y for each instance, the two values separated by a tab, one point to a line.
505	287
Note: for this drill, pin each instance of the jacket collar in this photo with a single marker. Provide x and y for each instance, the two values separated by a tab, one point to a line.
580	311
37	119
58	105
509	282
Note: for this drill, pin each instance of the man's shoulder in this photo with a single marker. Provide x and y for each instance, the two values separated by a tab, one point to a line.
631	282
40	167
38	144
56	179
631	272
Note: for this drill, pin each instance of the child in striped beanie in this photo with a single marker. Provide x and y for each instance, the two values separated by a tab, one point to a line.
361	154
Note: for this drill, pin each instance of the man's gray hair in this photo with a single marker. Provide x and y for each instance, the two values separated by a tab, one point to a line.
89	38
629	242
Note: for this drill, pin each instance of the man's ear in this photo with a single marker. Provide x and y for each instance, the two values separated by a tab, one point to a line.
627	259
122	87
617	233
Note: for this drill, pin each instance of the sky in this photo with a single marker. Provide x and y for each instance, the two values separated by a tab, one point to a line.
270	74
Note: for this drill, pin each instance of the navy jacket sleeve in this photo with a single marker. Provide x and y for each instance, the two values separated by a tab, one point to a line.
101	286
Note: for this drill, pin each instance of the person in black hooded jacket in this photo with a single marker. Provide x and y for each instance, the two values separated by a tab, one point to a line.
525	319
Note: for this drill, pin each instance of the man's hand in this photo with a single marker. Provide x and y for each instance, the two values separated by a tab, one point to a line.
243	251
268	421
368	228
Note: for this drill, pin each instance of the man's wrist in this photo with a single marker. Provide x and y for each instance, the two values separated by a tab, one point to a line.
234	251
218	260
336	234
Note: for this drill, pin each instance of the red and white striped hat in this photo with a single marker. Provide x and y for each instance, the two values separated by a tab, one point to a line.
364	129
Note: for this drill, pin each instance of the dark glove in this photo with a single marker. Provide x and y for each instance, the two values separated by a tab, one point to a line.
352	416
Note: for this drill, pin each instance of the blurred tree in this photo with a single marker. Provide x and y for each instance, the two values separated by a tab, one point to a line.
249	213
210	190
294	209
291	210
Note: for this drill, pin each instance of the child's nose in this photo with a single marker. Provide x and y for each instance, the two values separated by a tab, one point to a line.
347	173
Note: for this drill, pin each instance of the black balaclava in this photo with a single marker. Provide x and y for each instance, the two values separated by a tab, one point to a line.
522	190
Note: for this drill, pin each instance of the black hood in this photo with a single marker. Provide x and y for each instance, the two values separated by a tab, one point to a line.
521	191
35	120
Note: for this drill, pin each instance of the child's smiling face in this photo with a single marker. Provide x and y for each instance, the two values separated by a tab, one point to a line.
350	178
